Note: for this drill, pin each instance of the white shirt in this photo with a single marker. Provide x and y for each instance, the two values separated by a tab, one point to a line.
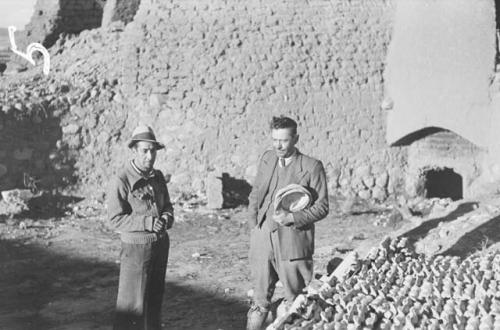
288	160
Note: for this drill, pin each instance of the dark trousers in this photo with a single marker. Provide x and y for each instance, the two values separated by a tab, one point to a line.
141	286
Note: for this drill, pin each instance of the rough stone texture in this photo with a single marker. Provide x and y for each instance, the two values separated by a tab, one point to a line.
53	17
208	76
119	10
15	201
215	198
4	49
443	149
439	73
16	196
32	141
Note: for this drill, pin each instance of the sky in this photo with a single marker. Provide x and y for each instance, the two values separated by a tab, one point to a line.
16	13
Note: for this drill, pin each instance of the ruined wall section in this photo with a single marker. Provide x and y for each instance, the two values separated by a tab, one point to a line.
59	128
119	10
53	17
208	76
30	128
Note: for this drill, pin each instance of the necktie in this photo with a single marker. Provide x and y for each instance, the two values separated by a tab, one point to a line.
282	162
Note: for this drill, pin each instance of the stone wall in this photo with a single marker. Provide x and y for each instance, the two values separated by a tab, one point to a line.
208	76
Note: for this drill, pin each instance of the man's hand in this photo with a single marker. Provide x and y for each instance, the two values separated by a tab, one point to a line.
284	218
159	225
169	220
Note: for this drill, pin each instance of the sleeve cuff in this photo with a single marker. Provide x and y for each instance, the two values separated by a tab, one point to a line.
298	221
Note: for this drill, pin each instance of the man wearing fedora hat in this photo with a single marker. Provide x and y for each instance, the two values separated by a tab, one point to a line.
139	209
282	237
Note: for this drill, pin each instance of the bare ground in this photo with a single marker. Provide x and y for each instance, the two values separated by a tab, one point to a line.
60	271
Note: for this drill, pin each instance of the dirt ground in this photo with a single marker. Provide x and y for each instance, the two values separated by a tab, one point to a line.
60	271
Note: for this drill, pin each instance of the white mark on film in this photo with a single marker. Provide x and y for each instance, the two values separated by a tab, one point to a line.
33	47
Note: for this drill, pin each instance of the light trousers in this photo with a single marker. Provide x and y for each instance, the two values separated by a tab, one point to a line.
267	267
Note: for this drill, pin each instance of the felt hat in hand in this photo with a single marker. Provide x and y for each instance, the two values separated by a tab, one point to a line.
144	133
292	198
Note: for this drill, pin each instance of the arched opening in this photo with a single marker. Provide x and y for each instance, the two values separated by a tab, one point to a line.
427	132
417	135
442	183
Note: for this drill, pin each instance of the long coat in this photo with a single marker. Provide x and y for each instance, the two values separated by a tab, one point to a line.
296	241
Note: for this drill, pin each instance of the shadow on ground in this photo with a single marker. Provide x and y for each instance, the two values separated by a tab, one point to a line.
480	238
42	289
188	309
422	230
47	206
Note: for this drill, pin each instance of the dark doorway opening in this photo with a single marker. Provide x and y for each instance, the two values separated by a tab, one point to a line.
443	183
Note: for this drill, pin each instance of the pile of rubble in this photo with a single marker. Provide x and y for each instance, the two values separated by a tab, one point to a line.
394	288
73	116
414	209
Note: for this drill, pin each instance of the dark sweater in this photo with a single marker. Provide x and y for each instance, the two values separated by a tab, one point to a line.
281	177
134	201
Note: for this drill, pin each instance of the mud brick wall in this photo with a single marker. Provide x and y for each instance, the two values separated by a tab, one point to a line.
77	15
440	76
208	76
444	149
119	10
31	144
53	17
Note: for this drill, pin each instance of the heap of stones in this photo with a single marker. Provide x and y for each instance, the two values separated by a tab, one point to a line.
64	122
395	288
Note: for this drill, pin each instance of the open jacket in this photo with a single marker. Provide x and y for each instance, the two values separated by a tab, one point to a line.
296	241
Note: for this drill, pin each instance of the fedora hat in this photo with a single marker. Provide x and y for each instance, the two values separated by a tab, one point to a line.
292	198
144	133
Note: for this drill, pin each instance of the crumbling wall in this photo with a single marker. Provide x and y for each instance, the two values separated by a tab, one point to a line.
4	49
119	10
53	17
65	122
208	76
30	141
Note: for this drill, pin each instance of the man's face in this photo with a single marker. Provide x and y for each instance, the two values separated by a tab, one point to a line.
144	155
284	141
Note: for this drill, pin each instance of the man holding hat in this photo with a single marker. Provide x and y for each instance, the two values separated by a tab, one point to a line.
289	195
139	209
